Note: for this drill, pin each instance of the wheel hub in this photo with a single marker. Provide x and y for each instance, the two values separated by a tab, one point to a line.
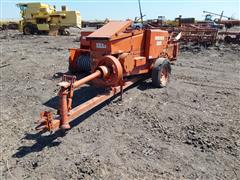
164	75
115	71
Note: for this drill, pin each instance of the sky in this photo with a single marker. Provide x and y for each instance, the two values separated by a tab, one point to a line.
124	9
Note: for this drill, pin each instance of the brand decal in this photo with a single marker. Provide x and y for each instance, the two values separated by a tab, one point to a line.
159	43
159	38
101	46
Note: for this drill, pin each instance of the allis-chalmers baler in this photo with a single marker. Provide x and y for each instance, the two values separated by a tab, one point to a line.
115	56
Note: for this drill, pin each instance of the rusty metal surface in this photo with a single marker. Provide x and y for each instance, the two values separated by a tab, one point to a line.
234	33
229	36
231	22
110	29
197	33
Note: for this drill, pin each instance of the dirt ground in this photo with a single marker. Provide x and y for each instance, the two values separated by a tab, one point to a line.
189	130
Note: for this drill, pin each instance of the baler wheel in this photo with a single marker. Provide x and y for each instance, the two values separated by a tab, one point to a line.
161	74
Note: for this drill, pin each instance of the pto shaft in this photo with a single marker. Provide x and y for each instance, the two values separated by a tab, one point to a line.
86	79
82	81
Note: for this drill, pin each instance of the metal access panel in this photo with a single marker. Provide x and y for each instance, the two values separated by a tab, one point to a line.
110	30
156	42
43	27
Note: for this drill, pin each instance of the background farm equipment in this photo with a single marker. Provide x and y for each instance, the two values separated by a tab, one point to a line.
229	36
228	22
8	25
193	33
115	56
198	34
162	22
42	18
94	24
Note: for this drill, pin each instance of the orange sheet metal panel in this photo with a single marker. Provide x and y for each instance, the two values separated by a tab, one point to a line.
140	61
138	44
73	55
173	51
133	44
110	29
84	43
100	47
156	42
121	45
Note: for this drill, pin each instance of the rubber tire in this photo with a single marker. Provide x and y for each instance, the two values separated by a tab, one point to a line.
159	61
27	30
4	27
228	39
157	68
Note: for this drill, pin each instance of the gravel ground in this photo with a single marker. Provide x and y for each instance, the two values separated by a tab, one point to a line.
189	130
